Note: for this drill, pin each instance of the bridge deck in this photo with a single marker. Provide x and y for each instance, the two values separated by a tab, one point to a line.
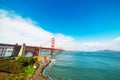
34	49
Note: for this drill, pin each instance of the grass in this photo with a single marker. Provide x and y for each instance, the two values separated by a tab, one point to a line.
19	69
29	70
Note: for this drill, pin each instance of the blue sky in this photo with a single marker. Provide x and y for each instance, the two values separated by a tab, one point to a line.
81	19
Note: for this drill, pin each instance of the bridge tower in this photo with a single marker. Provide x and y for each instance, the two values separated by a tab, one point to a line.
52	46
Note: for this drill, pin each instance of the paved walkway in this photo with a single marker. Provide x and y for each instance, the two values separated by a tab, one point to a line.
38	73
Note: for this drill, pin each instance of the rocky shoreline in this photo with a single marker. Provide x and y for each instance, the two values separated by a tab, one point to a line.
38	75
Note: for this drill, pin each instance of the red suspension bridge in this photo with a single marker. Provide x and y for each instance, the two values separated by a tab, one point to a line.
22	50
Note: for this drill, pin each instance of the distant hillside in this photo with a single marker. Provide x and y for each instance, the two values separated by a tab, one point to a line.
107	50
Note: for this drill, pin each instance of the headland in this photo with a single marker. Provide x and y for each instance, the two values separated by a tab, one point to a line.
18	66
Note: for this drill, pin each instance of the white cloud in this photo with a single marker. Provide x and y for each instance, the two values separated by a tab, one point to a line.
16	29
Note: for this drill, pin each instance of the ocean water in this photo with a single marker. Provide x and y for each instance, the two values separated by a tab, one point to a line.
85	66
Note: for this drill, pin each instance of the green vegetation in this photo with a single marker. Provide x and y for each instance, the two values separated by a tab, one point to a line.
18	67
29	70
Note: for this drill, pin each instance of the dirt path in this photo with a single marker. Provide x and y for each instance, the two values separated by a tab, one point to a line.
38	73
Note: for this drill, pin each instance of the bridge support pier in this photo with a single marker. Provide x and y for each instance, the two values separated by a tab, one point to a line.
39	51
22	51
52	52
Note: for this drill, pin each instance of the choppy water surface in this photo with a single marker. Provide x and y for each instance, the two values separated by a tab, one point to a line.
85	66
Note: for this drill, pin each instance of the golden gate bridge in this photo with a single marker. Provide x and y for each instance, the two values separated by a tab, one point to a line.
22	50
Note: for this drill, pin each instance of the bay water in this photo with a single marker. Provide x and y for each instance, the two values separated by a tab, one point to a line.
85	66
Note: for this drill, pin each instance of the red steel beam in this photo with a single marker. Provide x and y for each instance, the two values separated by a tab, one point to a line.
2	44
46	48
